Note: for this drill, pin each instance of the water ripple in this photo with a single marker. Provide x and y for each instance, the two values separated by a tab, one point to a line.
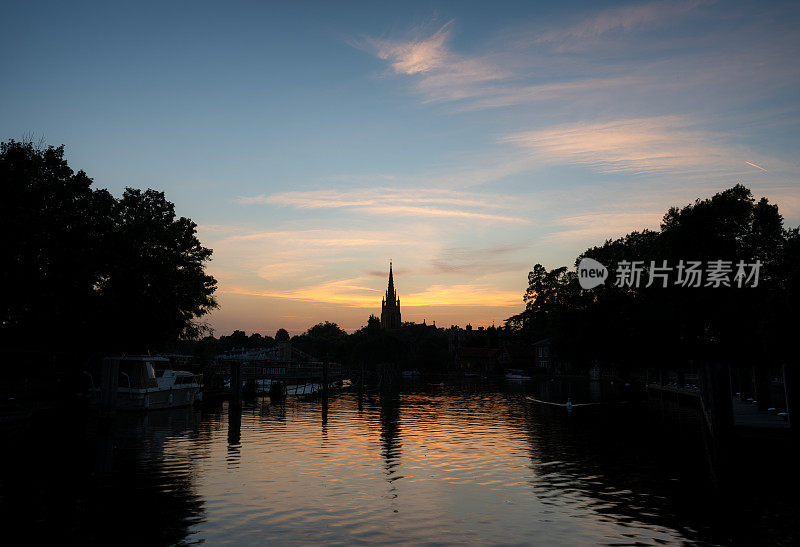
447	466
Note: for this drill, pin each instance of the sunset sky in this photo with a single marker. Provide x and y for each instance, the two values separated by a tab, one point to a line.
466	141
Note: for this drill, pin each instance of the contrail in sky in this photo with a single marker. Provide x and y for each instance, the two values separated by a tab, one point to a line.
756	166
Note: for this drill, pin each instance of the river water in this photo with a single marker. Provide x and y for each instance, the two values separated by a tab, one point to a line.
424	464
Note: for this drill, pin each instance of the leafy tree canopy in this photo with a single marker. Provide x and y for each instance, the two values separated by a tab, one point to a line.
626	324
323	340
92	271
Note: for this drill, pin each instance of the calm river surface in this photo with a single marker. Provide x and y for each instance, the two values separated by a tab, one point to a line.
427	464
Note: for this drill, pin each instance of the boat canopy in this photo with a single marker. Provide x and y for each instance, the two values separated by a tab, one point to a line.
137	373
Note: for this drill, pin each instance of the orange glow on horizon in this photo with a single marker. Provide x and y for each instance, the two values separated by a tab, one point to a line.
349	293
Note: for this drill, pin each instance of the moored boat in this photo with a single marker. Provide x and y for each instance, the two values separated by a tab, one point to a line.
149	383
516	374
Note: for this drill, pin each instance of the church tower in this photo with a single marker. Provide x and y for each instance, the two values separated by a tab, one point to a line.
390	306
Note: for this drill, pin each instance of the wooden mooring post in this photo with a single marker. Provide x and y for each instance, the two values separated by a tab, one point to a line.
236	383
789	389
361	388
717	409
325	392
277	392
109	382
761	385
325	378
235	425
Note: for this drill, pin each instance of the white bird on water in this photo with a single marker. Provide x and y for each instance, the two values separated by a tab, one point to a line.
568	405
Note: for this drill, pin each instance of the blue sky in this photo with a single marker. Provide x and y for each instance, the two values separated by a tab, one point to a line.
466	141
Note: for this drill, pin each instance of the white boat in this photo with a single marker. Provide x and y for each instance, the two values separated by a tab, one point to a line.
146	382
262	385
516	374
310	389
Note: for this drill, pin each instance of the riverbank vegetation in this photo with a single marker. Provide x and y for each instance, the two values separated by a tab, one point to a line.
411	346
85	271
660	325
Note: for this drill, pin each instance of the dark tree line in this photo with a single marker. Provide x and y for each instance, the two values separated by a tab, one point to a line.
413	345
85	271
668	325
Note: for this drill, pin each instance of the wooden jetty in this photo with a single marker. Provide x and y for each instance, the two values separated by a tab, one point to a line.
730	422
282	366
747	418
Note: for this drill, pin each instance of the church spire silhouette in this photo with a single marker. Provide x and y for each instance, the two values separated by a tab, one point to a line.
390	293
390	305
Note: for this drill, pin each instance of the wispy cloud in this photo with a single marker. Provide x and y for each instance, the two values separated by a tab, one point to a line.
667	144
282	258
415	56
405	202
594	228
440	73
325	199
520	66
496	96
316	238
622	56
312	265
430	57
667	114
587	31
477	261
399	210
347	292
468	294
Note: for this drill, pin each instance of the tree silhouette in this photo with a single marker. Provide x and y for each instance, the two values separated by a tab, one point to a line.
672	324
323	340
93	272
156	277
